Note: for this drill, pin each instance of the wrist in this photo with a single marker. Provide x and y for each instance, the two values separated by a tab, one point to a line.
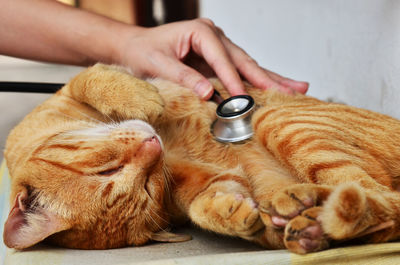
99	39
121	43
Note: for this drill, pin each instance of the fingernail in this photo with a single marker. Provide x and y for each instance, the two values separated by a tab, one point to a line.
204	89
294	83
303	84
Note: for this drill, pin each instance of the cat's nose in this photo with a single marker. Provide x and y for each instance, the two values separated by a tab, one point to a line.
151	146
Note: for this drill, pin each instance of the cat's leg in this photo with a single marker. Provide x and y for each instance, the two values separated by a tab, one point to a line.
317	151
267	177
314	215
352	211
317	148
216	200
115	93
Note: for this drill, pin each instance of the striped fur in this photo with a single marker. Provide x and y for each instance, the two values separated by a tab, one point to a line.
111	161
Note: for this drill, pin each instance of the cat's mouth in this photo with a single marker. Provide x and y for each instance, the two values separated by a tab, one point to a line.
152	148
150	153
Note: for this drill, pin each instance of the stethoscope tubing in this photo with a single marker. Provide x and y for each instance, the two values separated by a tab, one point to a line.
30	87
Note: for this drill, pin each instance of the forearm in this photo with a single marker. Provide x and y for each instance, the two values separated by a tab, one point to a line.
46	30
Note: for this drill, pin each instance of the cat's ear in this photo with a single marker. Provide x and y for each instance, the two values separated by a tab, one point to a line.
27	225
165	236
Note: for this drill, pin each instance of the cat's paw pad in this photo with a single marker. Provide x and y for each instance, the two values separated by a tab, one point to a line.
290	202
238	213
304	234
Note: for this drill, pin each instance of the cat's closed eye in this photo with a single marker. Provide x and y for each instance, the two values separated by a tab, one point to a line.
111	171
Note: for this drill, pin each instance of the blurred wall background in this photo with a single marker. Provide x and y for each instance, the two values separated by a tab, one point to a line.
349	50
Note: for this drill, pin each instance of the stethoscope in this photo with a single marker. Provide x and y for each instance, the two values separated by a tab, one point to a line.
233	115
233	118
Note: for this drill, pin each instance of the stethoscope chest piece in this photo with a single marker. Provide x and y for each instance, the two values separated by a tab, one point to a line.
233	123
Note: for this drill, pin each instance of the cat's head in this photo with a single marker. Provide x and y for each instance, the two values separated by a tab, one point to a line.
100	187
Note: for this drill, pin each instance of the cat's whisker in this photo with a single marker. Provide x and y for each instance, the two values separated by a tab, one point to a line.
89	124
91	118
167	179
80	138
111	122
90	134
153	212
77	140
119	118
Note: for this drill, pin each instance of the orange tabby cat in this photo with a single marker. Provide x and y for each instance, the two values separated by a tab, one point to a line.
88	171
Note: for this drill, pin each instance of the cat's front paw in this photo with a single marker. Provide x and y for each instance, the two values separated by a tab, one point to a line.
135	99
115	93
239	213
227	213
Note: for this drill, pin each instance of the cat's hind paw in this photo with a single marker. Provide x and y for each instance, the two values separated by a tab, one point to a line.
287	217
304	234
353	212
291	202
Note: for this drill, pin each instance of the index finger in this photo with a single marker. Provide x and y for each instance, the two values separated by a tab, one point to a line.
206	43
259	76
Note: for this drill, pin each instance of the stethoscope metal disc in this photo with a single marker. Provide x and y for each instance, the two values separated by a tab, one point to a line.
233	123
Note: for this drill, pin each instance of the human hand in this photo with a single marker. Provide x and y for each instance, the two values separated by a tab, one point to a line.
163	51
